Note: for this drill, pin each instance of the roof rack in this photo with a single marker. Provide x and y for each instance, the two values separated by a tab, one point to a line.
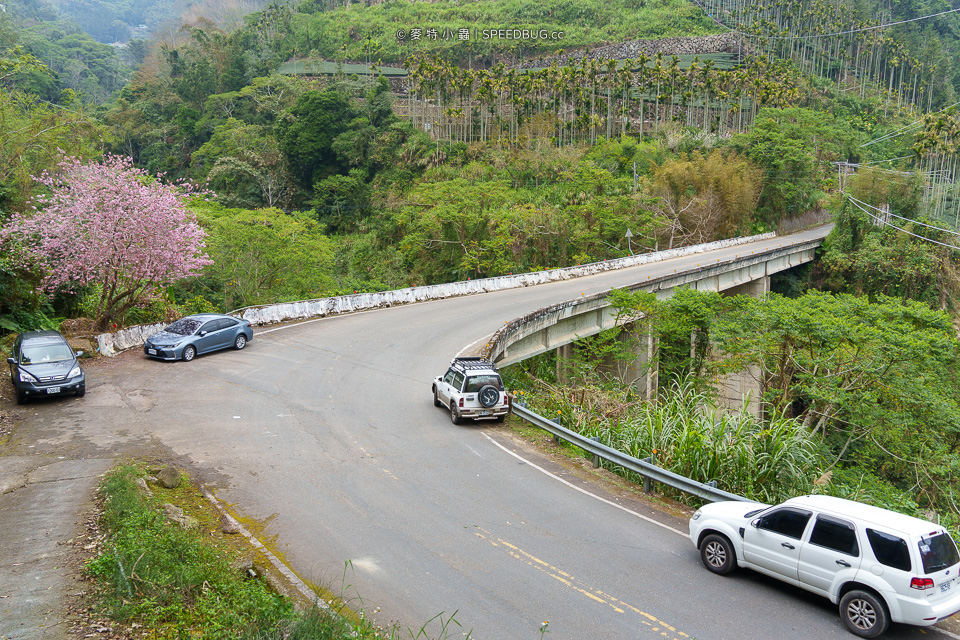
470	362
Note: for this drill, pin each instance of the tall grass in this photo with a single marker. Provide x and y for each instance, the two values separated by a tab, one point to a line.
767	460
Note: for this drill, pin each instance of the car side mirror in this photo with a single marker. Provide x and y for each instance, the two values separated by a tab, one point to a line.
11	361
203	333
755	523
79	354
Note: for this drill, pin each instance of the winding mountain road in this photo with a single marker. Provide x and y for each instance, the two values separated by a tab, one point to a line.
325	431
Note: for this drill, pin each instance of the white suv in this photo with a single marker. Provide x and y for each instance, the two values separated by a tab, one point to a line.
471	388
879	565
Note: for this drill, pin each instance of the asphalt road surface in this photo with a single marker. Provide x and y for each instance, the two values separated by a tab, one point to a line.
325	431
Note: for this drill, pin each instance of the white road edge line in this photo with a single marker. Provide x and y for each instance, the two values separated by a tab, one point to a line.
584	491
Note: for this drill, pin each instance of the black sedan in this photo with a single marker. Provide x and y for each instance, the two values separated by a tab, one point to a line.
42	363
196	334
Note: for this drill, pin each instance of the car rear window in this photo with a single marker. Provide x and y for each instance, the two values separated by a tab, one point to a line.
475	383
184	326
890	550
937	552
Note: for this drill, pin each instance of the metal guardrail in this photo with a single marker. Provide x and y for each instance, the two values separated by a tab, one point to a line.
646	469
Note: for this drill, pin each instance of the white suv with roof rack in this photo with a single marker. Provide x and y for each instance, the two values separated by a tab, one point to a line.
471	389
878	565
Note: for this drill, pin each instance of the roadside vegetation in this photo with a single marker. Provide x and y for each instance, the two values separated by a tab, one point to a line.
159	579
856	399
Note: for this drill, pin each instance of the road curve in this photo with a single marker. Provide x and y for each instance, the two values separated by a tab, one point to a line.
326	432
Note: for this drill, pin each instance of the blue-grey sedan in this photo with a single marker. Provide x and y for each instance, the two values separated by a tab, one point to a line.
201	333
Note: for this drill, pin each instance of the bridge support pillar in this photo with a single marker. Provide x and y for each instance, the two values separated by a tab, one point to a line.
641	370
754	288
741	389
564	353
735	387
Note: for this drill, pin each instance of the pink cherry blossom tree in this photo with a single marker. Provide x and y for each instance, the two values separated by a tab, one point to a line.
112	225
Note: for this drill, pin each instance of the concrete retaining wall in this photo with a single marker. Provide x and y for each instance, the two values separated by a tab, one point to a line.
110	344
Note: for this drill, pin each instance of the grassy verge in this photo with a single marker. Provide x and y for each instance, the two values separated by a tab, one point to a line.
164	581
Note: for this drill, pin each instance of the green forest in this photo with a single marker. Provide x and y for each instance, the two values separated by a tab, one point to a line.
487	157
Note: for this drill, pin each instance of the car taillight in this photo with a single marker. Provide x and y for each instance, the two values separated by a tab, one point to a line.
461	402
921	583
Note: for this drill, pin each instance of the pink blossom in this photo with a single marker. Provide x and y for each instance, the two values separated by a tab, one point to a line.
111	224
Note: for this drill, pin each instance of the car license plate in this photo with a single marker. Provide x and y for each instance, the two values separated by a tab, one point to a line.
53	389
945	587
483	413
152	352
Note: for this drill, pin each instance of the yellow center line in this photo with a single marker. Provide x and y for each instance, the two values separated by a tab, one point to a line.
655	624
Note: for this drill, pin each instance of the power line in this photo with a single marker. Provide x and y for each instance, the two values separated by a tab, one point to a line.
881	221
889	213
849	31
913	125
886	160
827	35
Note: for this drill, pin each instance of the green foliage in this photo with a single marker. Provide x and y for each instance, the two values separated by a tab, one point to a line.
766	460
306	133
34	136
243	165
792	147
73	61
682	324
353	32
619	154
877	381
159	575
862	257
264	256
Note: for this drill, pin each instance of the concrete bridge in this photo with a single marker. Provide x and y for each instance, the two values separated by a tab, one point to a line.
745	270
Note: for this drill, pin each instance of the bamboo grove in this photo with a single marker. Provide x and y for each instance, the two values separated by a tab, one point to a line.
590	98
829	39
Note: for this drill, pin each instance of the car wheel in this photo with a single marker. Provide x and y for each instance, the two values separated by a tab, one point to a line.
500	418
189	352
436	400
716	552
454	414
81	391
864	614
240	342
